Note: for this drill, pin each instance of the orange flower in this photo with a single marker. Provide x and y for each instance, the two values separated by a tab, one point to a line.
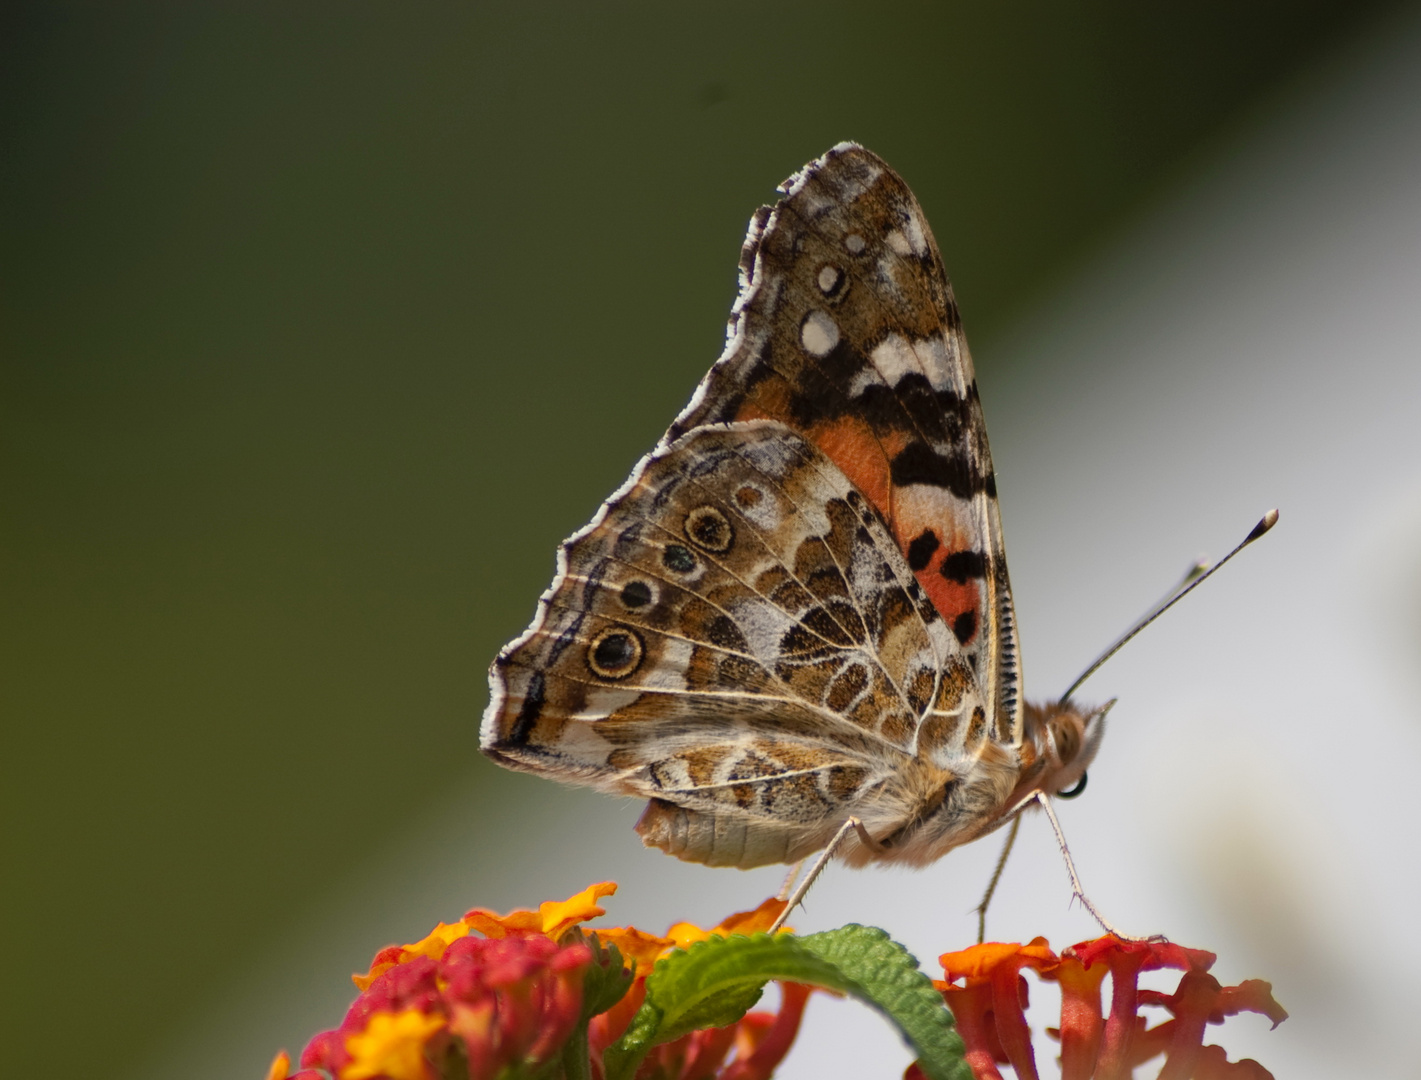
683	935
552	919
989	1009
989	1004
636	946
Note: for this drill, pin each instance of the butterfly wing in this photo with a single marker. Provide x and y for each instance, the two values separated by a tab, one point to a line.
737	637
846	331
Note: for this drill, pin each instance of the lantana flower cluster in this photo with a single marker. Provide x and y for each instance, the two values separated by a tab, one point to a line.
532	995
987	994
498	997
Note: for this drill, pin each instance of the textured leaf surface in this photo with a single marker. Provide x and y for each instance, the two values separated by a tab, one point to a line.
887	977
715	982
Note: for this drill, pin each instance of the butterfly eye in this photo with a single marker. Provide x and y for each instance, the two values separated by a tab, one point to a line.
708	528
615	653
1074	790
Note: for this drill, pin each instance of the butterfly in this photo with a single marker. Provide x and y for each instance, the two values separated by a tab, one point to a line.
795	613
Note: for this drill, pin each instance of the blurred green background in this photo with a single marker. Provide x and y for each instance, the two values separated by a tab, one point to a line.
323	324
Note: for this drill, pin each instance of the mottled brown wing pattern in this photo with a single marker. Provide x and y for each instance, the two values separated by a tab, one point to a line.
846	331
737	637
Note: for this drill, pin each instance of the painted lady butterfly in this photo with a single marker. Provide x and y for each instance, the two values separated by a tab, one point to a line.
795	612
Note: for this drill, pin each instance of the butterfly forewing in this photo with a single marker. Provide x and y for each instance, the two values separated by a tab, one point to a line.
846	331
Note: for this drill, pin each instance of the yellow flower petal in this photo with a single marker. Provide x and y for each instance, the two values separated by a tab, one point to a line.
280	1067
553	918
431	945
559	917
636	946
685	934
392	1045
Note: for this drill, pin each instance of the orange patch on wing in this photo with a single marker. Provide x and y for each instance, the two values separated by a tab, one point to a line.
850	444
951	599
769	400
921	508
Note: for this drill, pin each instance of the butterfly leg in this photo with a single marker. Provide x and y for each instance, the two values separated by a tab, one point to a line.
852	825
996	877
1077	892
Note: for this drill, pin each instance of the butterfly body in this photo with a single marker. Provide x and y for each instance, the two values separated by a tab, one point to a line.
796	610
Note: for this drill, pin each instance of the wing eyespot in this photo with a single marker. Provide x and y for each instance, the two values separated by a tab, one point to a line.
709	529
636	595
678	559
615	653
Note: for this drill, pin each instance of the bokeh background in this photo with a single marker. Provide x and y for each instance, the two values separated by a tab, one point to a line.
322	324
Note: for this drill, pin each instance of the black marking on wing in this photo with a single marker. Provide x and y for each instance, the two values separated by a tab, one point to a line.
529	712
961	565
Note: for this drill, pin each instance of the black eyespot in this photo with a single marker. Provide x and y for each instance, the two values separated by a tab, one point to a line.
615	653
708	528
1074	790
678	559
636	594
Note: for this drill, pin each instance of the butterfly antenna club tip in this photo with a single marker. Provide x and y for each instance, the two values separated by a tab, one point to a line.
1195	576
1266	522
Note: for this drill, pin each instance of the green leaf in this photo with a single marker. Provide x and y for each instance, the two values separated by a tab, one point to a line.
715	982
607	980
887	977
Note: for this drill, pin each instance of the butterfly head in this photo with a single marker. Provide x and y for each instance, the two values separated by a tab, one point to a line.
1062	738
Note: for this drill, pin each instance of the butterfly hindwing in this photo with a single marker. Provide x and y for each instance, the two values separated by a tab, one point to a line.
736	635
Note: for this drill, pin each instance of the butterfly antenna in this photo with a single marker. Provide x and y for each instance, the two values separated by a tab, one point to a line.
1193	578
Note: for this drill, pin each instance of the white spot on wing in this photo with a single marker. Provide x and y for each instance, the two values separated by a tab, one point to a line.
764	626
829	277
669	670
894	357
939	357
863	379
763	512
855	243
819	333
917	238
933	356
899	243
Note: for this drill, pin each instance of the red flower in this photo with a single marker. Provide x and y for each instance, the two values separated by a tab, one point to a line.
506	1003
510	1001
990	1001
